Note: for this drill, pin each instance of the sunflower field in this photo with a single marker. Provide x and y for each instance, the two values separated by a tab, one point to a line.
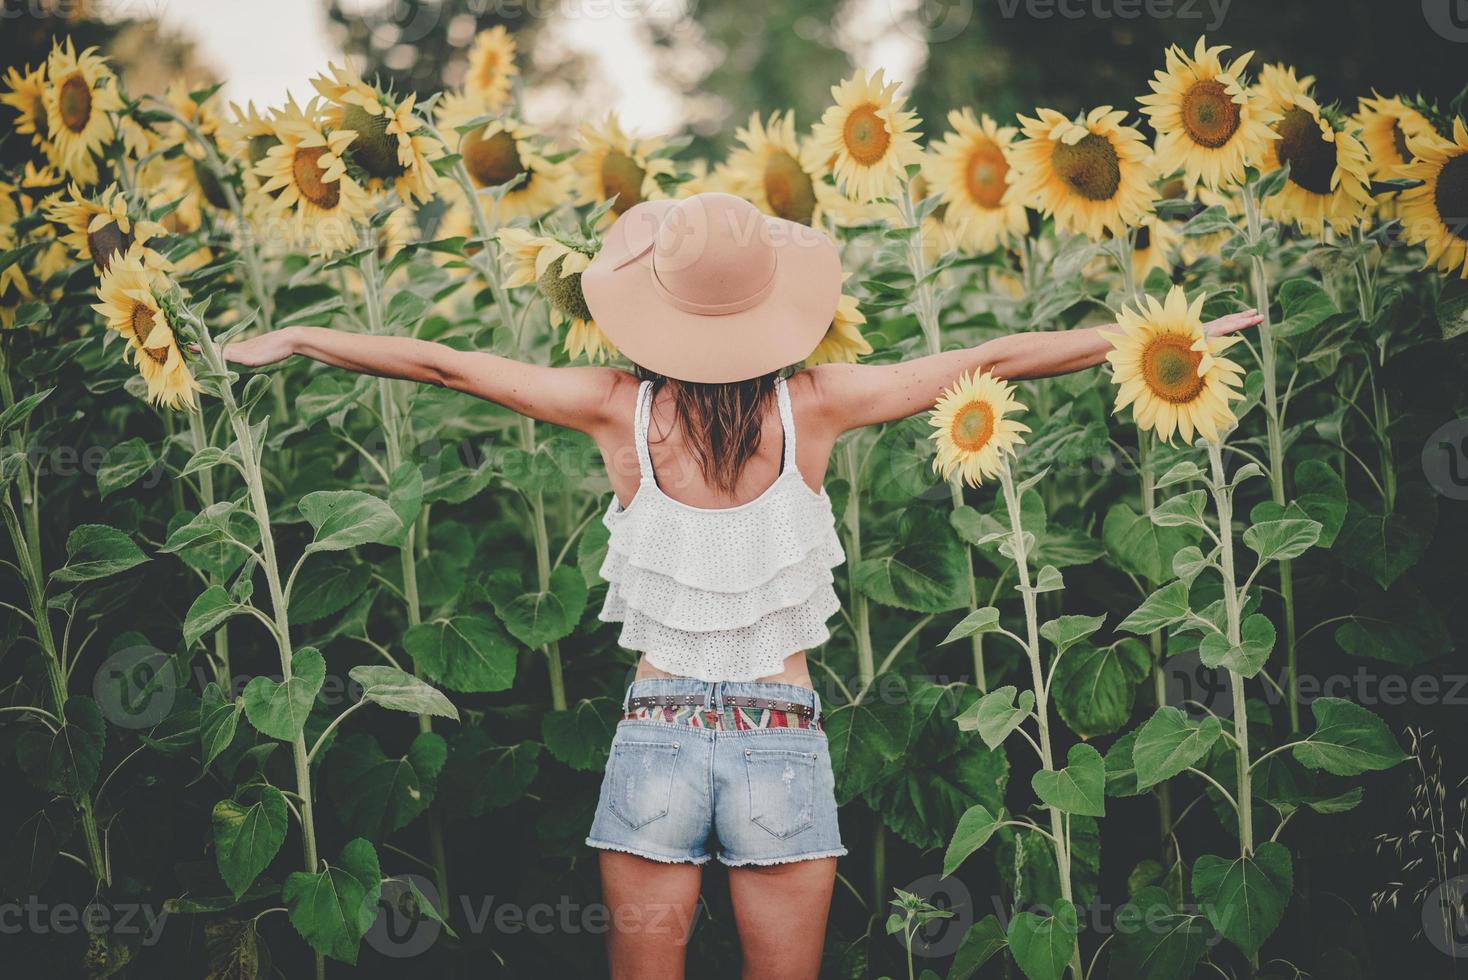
302	673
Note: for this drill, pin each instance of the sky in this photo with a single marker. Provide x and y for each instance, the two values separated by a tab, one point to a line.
263	48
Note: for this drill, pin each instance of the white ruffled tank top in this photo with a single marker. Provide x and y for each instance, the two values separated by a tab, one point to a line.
721	594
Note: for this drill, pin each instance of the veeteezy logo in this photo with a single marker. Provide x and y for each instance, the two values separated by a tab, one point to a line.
1214	10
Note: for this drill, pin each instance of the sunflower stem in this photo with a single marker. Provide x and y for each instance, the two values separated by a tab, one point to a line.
1155	640
200	439
250	459
1059	838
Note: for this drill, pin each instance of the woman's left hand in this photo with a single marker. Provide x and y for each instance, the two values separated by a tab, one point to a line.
1232	323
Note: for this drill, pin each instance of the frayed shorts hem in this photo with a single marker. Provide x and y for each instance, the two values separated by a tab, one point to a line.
638	852
782	859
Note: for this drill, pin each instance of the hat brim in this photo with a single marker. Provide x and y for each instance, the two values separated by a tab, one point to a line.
782	329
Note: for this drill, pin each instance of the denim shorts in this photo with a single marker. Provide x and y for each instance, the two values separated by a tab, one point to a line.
750	786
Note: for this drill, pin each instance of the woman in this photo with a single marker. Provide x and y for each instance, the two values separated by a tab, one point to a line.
721	549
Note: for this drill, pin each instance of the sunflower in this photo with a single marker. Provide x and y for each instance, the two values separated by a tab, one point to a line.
771	170
80	93
1155	246
161	363
969	168
127	294
14	289
843	342
27	96
1386	126
1167	368
492	67
611	166
973	435
1328	167
867	139
392	147
555	268
102	227
1208	125
1435	214
496	152
1092	175
317	194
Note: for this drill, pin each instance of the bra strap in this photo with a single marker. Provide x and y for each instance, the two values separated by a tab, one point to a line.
787	423
640	419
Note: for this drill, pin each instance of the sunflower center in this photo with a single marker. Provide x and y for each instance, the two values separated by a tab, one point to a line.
973	426
564	292
140	320
158	355
308	174
621	175
788	188
1399	142
984	175
865	135
491	161
74	100
1170	367
1209	115
1451	196
373	149
1310	156
106	242
1090	167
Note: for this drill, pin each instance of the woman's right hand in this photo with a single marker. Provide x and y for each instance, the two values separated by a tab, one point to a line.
261	350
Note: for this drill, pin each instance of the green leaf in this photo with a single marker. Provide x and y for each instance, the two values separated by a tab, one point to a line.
1042	947
1321	493
1256	642
1121	770
1304	303
1348	740
124	464
1049	579
984	620
325	586
1156	942
401	691
1245	898
994	715
376	795
1282	540
207	613
925	574
1180	473
280	710
1094	688
16	414
1164	607
1188	564
481	775
1399	627
1141	547
68	760
347	518
246	838
95	551
218	721
975	828
983	939
405	497
540	618
864	739
581	737
1078	788
1384	546
1186	509
467	653
1169	743
333	909
1066	631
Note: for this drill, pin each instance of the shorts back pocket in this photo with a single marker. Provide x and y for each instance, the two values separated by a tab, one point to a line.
782	788
640	778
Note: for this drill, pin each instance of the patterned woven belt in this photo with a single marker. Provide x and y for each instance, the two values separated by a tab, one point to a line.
732	701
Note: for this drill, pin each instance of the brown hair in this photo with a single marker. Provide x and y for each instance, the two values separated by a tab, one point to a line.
722	422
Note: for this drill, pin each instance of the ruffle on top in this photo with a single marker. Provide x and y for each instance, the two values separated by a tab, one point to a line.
726	593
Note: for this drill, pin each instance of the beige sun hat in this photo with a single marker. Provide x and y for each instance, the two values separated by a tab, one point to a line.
711	289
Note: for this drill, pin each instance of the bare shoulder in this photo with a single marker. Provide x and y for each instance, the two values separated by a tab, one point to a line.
613	392
814	396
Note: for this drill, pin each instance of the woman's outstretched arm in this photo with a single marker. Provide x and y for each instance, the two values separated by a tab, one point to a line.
575	397
853	395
